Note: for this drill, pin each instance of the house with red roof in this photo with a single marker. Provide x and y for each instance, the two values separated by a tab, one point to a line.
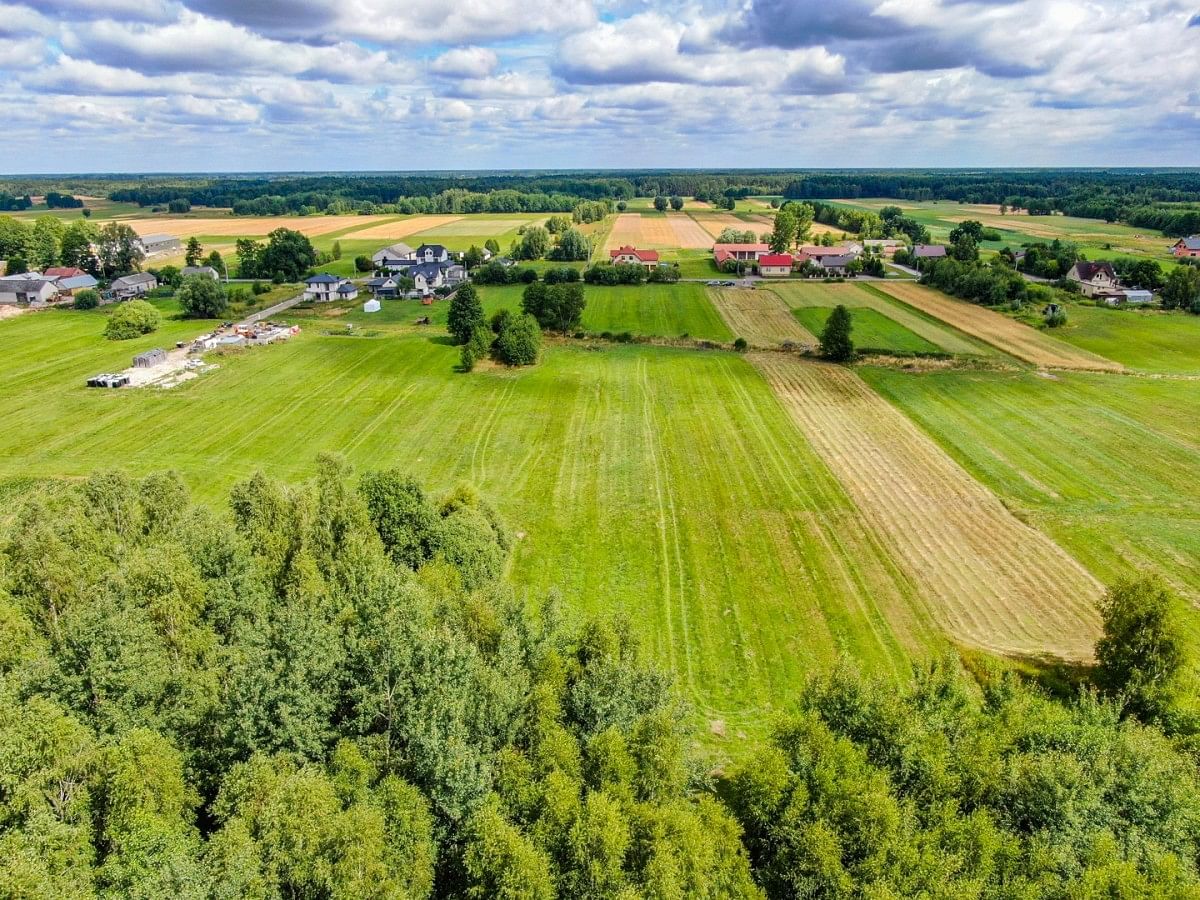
1188	246
775	265
632	256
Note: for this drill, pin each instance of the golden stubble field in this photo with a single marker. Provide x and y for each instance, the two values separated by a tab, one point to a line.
256	226
761	317
989	579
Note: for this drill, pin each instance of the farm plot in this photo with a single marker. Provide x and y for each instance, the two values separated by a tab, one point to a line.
473	225
715	223
760	317
663	310
871	330
253	226
665	485
670	231
991	581
802	294
402	228
1106	466
1001	332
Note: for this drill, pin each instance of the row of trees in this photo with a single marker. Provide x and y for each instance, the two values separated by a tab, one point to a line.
287	255
105	252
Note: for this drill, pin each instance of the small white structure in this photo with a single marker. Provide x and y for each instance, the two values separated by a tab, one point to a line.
157	244
371	305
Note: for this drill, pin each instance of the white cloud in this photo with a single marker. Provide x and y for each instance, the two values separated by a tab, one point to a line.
466	62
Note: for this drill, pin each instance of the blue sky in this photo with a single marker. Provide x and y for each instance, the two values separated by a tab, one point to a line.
235	85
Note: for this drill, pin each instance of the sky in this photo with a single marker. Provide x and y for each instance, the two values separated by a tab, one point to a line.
320	85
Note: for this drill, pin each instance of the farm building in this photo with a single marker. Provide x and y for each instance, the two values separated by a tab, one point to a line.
150	359
371	306
322	287
632	256
133	285
388	257
69	279
1094	278
1187	247
205	271
1131	297
775	265
158	244
27	288
887	246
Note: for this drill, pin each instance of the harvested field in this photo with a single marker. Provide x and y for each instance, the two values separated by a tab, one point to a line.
799	295
1000	331
254	226
402	228
760	317
714	224
820	228
989	579
667	231
472	225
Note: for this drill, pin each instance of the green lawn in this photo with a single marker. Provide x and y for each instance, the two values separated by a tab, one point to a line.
1106	464
665	485
663	310
871	330
1161	342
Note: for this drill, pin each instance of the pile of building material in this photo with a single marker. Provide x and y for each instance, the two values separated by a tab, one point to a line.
150	358
108	380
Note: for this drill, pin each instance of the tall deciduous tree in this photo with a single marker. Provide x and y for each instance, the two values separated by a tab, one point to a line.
465	315
836	342
119	250
193	251
1141	651
202	297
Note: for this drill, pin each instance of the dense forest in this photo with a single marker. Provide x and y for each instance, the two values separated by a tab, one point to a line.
327	690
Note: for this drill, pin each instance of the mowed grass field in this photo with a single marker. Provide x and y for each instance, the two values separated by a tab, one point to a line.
669	486
1145	340
1105	464
871	330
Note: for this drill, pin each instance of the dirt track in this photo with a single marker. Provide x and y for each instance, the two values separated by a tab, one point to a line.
989	579
998	330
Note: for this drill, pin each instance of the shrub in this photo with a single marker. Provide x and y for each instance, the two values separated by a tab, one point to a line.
555	306
561	275
740	345
664	275
528	276
87	299
363	264
259	288
836	344
131	319
500	319
520	342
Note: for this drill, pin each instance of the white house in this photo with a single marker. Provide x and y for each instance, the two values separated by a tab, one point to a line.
322	287
428	277
133	285
347	290
428	253
27	288
389	257
1094	278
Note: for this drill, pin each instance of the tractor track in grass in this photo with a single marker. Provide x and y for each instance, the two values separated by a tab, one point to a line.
989	579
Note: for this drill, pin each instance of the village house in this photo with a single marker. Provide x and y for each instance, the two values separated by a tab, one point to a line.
1187	247
69	279
347	290
775	265
27	288
722	253
431	253
632	256
390	257
428	277
383	286
928	251
206	271
159	244
814	252
886	246
322	287
133	285
836	265
1095	279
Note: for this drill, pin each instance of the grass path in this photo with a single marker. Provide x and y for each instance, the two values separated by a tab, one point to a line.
991	580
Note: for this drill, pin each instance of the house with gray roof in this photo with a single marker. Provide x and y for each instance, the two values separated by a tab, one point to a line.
836	265
133	285
390	256
206	271
322	287
158	244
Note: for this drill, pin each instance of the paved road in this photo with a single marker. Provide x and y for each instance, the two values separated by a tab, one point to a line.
271	310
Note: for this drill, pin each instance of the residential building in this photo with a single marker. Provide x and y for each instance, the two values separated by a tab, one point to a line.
928	251
322	287
29	288
383	286
740	252
428	253
1094	278
632	256
206	271
775	265
388	257
133	285
347	290
159	244
428	277
1187	247
835	265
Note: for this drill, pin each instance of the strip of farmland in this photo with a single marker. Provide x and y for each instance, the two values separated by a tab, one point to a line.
760	317
998	330
989	579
